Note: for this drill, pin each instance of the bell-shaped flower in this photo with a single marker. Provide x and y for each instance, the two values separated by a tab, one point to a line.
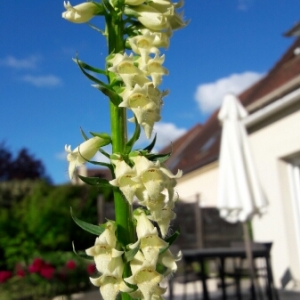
123	66
157	293
168	260
84	152
147	116
145	107
124	174
110	286
139	97
152	204
150	17
153	176
80	13
176	21
148	239
168	8
165	7
163	218
161	39
143	45
111	282
106	257
154	68
145	276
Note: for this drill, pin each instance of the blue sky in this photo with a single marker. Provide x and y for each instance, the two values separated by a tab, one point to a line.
44	97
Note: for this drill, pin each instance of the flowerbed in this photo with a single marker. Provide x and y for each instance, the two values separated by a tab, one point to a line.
45	277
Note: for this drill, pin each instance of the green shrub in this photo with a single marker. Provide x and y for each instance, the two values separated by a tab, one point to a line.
41	222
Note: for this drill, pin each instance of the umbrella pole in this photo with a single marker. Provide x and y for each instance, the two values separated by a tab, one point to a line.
254	284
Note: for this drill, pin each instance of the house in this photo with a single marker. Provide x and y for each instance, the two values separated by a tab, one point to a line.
273	125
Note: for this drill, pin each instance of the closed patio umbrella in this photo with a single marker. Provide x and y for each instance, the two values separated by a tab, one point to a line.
240	196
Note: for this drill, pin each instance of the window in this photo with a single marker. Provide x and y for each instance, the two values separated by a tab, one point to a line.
294	174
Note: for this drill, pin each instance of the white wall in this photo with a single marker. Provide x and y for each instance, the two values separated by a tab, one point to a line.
203	182
270	146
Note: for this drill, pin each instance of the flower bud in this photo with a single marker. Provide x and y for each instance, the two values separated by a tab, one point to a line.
151	18
84	152
80	13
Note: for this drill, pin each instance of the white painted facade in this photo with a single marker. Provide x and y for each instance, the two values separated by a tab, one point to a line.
275	143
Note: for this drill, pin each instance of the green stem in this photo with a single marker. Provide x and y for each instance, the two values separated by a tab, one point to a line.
123	210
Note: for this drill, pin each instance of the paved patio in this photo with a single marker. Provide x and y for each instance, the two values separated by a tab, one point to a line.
193	293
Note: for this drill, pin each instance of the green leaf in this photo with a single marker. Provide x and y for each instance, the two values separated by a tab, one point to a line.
114	98
160	268
102	135
83	134
82	255
91	228
104	153
89	76
129	255
151	146
171	239
88	67
134	138
101	10
95	181
97	29
99	163
159	157
126	273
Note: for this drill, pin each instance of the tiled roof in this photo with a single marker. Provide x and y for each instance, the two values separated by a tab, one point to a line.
204	147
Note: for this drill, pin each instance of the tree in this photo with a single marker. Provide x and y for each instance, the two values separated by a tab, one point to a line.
23	166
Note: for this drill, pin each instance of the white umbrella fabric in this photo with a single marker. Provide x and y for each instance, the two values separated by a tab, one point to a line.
240	196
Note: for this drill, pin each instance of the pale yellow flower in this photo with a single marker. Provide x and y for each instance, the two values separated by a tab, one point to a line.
80	13
84	152
107	258
153	67
154	177
161	39
124	174
143	45
148	239
151	18
123	65
145	276
145	104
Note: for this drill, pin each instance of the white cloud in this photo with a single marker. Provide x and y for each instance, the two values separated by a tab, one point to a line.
209	95
167	133
43	81
16	63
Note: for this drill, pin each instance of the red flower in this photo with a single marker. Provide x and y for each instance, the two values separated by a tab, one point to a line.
91	269
21	273
71	265
20	270
36	265
5	275
47	272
